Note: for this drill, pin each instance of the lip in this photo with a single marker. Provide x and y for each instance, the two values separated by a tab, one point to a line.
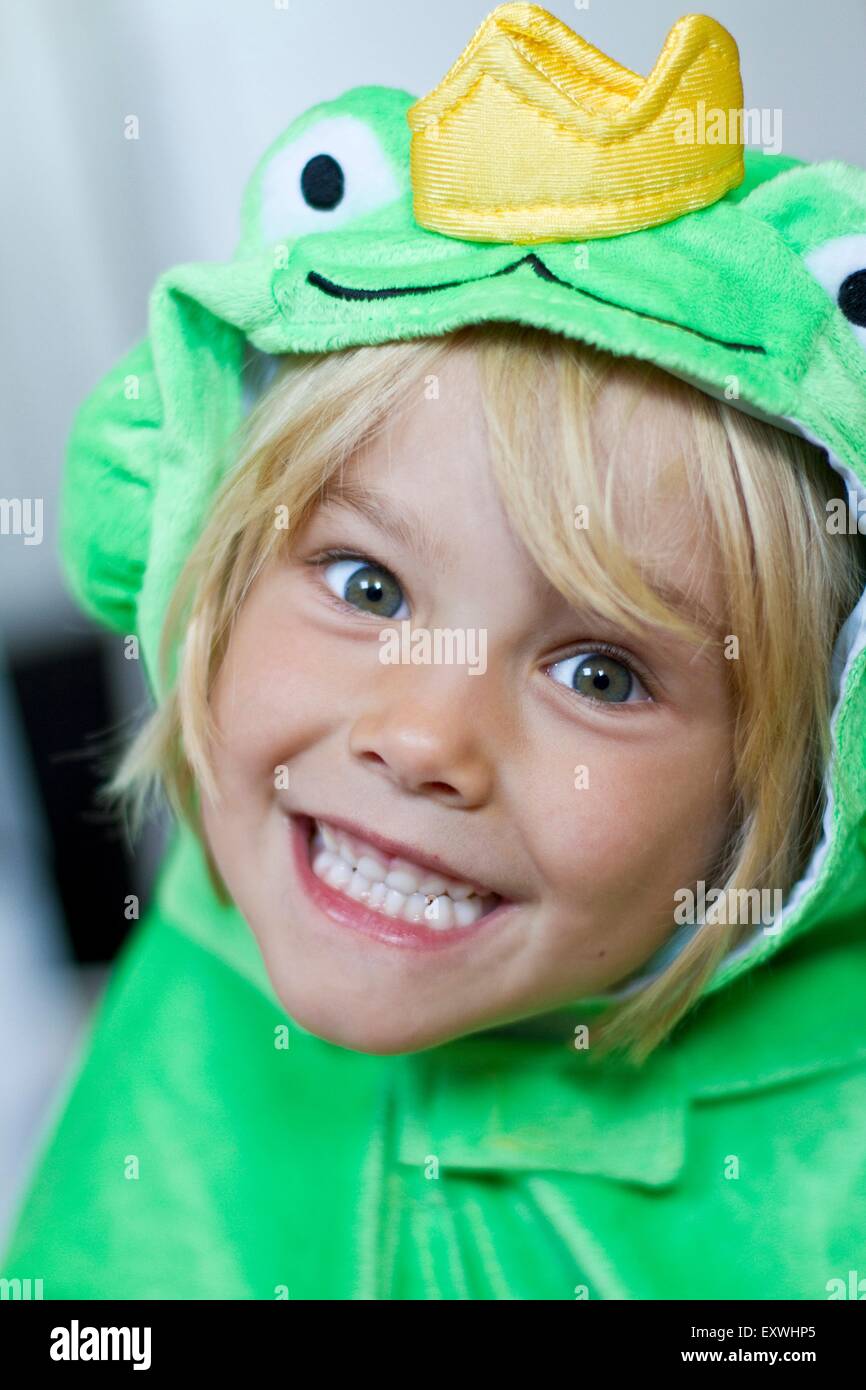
350	913
534	261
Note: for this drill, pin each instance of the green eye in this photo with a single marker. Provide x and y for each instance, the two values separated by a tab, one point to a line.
598	676
366	586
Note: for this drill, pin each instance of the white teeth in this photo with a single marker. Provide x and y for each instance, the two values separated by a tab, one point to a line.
404	881
347	851
323	861
377	894
339	874
373	869
465	913
394	903
459	891
396	887
433	886
414	908
359	886
440	913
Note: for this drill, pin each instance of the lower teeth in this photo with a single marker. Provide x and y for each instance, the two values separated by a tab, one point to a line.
440	912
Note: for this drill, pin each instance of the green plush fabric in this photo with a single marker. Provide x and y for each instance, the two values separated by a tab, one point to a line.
497	1166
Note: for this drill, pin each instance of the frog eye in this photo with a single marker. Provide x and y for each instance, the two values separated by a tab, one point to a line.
840	266
334	171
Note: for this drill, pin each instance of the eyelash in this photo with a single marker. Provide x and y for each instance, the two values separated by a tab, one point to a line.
617	653
325	557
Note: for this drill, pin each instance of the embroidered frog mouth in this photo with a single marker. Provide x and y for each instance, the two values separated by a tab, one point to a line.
351	292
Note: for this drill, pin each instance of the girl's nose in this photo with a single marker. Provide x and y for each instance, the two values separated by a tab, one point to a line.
432	746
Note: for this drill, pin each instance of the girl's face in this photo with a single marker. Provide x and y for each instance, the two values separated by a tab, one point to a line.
548	788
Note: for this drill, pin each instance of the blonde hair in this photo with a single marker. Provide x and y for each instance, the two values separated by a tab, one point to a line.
761	491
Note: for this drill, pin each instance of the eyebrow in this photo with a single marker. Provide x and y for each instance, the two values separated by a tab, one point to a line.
408	530
405	528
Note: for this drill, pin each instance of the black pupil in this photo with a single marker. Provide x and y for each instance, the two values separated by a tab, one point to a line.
322	182
603	675
852	298
368	587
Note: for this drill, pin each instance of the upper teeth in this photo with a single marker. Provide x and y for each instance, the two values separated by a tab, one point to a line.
396	887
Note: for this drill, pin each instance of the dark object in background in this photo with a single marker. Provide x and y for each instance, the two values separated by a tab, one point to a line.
68	716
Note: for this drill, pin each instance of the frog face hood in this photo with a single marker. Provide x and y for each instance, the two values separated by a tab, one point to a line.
377	217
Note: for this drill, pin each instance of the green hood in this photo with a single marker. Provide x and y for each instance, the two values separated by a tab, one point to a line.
746	291
306	1169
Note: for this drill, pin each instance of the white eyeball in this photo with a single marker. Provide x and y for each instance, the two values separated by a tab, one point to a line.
840	266
330	174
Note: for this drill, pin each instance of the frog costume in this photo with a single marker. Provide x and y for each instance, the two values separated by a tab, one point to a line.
192	1155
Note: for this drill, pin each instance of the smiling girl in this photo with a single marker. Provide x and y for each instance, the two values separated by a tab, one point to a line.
420	854
414	1013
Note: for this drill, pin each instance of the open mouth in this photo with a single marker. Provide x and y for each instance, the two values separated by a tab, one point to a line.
404	893
337	291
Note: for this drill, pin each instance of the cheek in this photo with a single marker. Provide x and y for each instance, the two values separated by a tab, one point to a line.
642	821
274	694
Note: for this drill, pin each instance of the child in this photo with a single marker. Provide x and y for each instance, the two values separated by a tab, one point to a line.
508	658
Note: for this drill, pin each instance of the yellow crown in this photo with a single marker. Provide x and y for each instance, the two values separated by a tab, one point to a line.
535	135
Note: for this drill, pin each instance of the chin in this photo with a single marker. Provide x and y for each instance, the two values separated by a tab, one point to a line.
336	1023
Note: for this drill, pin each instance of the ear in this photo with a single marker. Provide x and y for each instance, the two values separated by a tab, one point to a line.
145	455
107	491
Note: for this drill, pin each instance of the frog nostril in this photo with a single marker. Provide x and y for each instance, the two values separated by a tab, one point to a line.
852	297
322	182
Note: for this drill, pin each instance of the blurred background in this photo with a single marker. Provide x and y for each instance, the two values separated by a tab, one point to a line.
91	220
